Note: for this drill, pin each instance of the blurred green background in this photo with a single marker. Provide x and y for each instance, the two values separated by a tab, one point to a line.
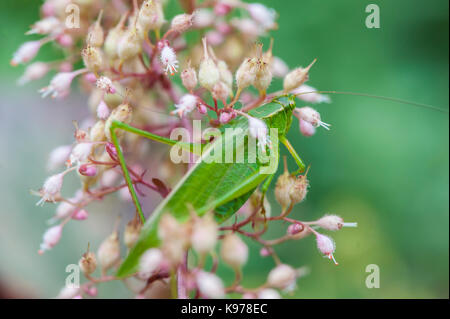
384	165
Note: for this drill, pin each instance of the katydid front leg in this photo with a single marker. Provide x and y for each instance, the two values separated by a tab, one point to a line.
298	160
192	147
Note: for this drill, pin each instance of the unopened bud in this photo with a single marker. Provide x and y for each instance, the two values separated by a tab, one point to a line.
296	78
246	73
189	78
131	233
81	214
92	58
294	229
109	251
333	222
208	74
282	188
204	234
96	35
151	15
234	251
87	170
88	263
210	285
182	22
299	189
282	276
51	238
221	91
129	45
150	262
269	294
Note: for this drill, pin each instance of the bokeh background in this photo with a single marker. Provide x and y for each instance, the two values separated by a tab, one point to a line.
384	165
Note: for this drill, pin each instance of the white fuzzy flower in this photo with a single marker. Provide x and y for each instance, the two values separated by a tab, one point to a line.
258	130
169	60
26	52
150	262
80	153
45	26
263	15
282	276
311	116
68	292
104	83
326	246
51	189
60	85
187	104
278	67
33	72
210	285
51	238
333	222
58	156
269	294
311	96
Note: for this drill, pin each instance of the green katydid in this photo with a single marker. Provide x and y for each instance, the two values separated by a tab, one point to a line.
220	187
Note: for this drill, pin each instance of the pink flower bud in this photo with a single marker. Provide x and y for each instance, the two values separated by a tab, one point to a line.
202	108
306	128
223	27
65	67
326	246
51	238
294	229
81	214
26	52
90	77
65	40
111	149
48	9
222	9
92	291
214	37
264	252
102	110
225	117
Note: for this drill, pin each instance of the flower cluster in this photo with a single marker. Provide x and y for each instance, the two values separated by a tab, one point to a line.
139	69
